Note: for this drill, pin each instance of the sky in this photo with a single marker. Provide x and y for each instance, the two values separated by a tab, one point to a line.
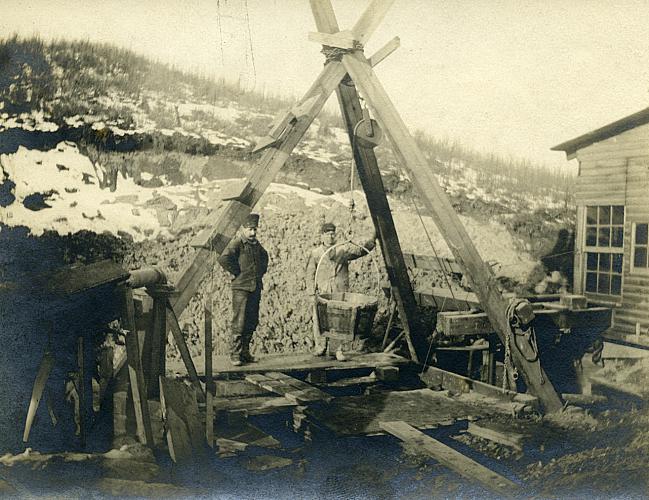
510	77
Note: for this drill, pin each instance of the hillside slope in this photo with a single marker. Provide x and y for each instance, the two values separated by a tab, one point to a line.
97	139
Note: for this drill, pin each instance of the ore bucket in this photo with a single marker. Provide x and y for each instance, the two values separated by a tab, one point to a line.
346	316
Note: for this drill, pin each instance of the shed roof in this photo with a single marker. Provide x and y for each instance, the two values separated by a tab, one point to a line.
605	132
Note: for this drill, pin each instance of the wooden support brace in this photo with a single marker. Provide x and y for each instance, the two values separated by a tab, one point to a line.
370	19
184	352
451	458
42	375
477	271
385	51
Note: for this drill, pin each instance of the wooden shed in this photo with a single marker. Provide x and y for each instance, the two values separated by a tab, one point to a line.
612	197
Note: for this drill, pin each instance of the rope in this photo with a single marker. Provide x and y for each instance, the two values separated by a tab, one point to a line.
439	261
252	53
376	266
218	20
334	53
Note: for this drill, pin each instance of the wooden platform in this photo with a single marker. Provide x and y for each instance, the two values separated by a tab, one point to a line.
287	363
421	408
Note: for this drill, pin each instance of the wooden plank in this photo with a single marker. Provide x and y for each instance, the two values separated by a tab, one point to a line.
253	406
185	433
442	379
385	51
432	263
289	387
509	438
288	363
40	381
77	278
458	325
342	39
478	273
451	458
444	299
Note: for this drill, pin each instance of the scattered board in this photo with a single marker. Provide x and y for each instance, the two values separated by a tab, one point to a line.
289	387
451	458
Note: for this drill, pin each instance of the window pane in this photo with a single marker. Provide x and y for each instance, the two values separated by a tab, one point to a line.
591	236
604	237
604	215
618	214
591	261
591	282
604	261
617	263
603	283
640	257
641	234
591	215
616	285
617	237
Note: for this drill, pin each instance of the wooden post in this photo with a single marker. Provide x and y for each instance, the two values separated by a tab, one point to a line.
478	273
136	374
209	385
81	389
157	339
370	176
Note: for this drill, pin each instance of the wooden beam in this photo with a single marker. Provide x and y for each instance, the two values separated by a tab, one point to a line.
432	263
509	438
479	274
40	381
136	374
370	19
370	177
451	458
323	13
441	379
385	51
184	352
444	299
341	39
263	173
453	324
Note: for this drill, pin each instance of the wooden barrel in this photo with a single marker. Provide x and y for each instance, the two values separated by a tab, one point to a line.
347	315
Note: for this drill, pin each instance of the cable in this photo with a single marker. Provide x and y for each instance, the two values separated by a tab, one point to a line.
252	53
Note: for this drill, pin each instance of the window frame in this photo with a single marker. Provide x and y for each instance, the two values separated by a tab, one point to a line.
643	271
598	250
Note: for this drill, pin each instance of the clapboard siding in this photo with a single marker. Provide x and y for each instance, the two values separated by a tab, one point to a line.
616	172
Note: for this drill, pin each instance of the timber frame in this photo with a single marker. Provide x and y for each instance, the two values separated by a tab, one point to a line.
347	71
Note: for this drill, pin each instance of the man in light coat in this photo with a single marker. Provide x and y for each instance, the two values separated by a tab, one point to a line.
333	273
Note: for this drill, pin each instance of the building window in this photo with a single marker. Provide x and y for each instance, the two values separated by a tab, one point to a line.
604	248
641	246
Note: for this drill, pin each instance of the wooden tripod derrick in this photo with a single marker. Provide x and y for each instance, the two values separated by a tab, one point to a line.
346	61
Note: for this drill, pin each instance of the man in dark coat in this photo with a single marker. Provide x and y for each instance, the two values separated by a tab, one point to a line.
247	261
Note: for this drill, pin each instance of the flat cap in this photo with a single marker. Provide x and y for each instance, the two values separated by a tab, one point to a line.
251	221
327	227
